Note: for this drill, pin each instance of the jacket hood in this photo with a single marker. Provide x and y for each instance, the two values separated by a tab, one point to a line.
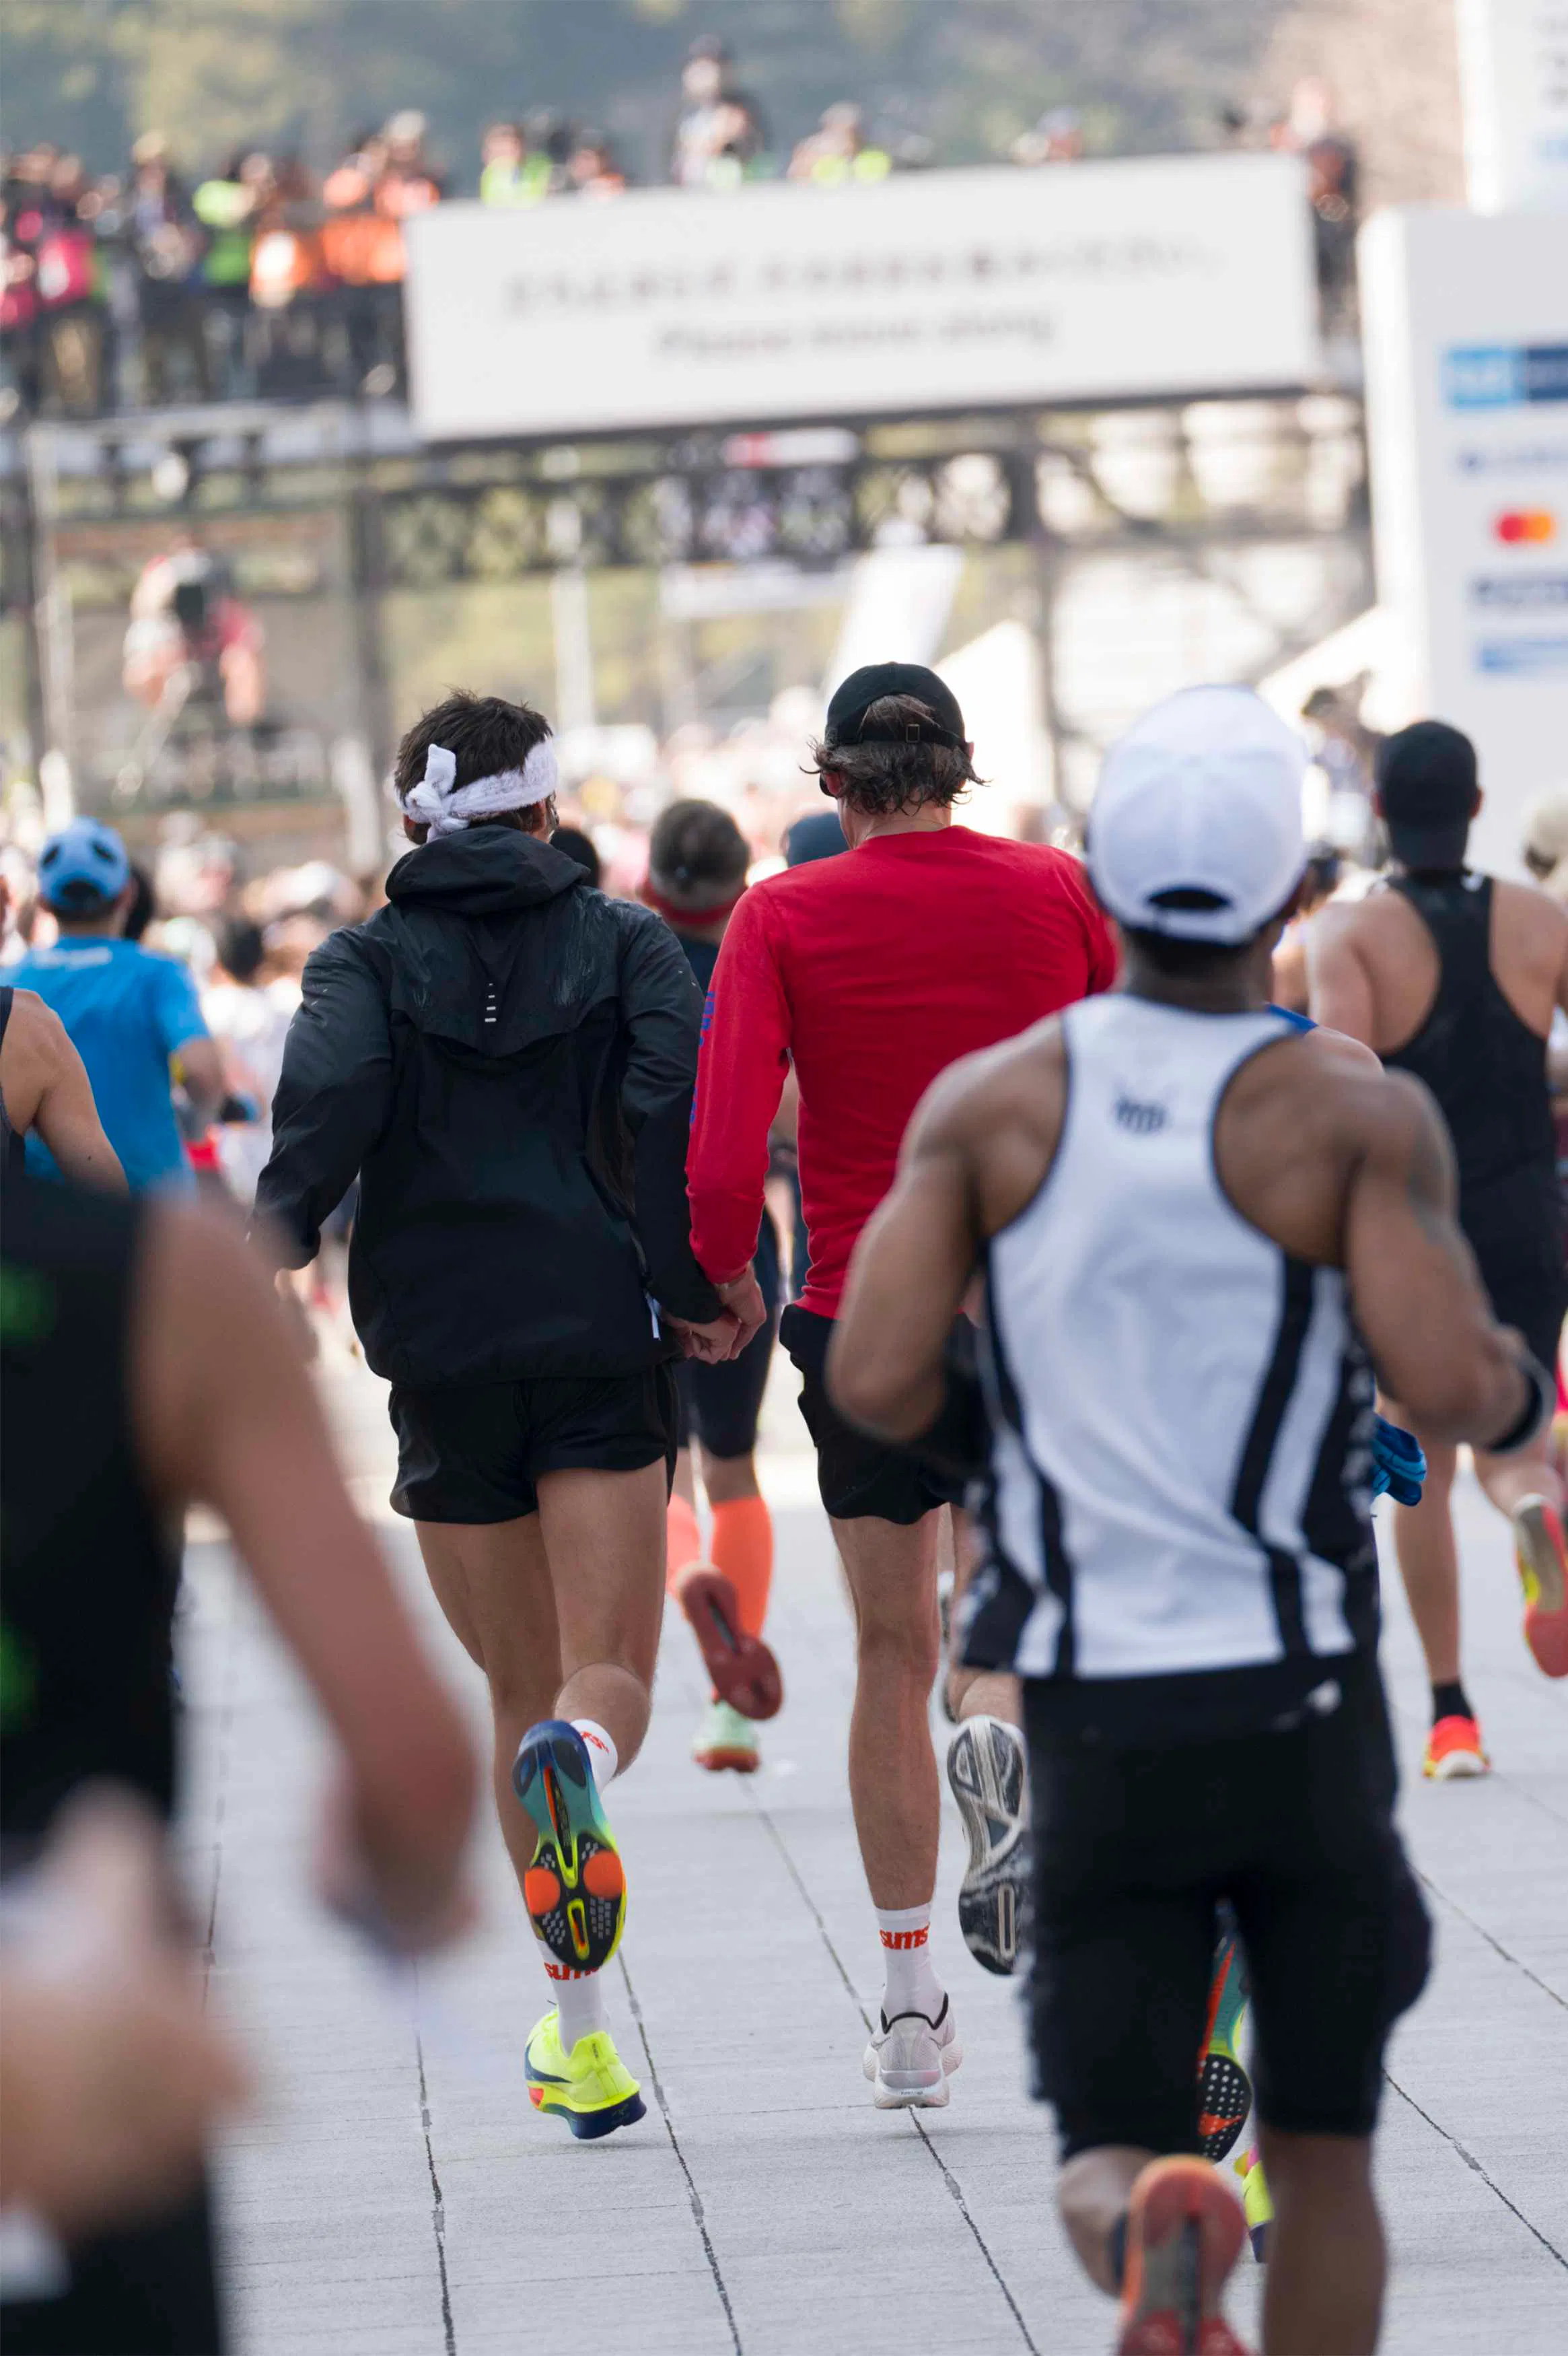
486	871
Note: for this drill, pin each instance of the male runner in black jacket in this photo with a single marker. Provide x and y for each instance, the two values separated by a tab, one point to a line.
505	1058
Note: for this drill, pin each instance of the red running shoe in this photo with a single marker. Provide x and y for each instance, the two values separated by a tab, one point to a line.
1185	2232
743	1671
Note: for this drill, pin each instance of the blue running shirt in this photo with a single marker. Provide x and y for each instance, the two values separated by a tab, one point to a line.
127	1011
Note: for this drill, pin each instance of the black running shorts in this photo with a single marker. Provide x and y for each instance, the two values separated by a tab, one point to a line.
720	1405
472	1452
859	1478
1135	1848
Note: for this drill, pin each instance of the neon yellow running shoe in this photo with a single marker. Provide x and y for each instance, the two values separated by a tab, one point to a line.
1255	2201
591	2087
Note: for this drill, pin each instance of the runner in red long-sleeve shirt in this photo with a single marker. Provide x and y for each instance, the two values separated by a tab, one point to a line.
872	973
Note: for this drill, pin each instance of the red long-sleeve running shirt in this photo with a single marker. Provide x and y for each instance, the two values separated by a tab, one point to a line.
874	971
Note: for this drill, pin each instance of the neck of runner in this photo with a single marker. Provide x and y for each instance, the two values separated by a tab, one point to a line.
863	826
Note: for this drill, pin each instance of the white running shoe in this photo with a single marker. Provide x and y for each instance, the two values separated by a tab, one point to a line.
910	2060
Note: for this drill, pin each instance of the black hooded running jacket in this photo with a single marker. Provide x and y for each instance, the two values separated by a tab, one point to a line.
505	1057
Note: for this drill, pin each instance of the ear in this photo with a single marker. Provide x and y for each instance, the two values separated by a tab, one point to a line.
1476	805
831	782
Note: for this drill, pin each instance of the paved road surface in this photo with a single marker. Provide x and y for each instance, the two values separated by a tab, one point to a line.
397	2196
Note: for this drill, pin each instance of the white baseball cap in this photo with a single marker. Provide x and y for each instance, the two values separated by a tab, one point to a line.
1195	831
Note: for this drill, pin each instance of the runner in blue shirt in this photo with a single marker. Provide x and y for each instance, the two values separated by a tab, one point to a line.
126	1011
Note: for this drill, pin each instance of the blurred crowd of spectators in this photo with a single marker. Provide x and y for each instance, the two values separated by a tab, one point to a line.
264	280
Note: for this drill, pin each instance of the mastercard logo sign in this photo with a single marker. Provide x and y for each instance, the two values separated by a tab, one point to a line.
1526	526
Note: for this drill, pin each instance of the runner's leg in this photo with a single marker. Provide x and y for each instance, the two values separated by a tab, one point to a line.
604	1536
492	1581
891	1573
1527	1488
1428	1558
1322	2189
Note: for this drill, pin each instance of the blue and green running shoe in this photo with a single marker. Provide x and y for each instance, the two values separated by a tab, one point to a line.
575	1889
591	2087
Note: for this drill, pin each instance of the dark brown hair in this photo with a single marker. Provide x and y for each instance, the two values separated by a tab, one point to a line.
881	778
484	734
697	856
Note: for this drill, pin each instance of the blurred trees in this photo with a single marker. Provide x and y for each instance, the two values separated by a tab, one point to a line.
967	74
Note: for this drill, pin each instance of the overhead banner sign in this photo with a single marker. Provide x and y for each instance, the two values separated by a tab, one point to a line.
1466	323
927	292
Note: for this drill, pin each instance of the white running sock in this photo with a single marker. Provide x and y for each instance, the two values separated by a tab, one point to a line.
580	2000
913	1986
601	1750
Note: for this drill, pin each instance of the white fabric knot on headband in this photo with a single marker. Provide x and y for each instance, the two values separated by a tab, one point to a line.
439	802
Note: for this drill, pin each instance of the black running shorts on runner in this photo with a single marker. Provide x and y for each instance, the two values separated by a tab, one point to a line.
472	1452
1134	1849
859	1478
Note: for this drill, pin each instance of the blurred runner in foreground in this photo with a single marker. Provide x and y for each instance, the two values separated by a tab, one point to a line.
1189	1212
126	1011
505	1058
698	859
874	971
147	1366
111	2075
1454	976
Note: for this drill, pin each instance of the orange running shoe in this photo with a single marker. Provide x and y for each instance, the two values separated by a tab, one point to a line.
743	1670
1185	2232
1454	1749
1543	1573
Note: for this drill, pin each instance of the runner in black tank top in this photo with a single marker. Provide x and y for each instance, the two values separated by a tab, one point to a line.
89	1578
1456	978
1487	1068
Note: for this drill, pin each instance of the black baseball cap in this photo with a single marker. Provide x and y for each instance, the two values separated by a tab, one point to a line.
853	698
1426	784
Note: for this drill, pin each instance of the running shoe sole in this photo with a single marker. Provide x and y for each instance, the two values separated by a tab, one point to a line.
1538	1537
738	1763
588	2126
1224	2089
1185	2232
1455	1767
988	1775
743	1670
575	1889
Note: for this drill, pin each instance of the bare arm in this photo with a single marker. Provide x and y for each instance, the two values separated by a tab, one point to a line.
975	1152
1419	1300
227	1416
201	1074
1338	986
66	1116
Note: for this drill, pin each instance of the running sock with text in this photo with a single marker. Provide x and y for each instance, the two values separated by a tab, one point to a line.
683	1538
743	1549
911	1983
601	1750
1450	1701
579	1999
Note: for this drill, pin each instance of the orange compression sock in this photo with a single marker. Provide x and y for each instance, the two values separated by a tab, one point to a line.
683	1539
743	1551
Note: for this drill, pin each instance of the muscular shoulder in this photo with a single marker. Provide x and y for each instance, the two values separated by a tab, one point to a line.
1523	912
37	1040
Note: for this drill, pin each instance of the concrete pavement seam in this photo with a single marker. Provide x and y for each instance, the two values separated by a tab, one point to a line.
955	2188
438	2206
1496	1944
699	2215
1473	2163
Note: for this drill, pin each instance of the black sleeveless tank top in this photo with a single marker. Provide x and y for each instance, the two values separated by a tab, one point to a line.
88	1577
1484	1065
13	1147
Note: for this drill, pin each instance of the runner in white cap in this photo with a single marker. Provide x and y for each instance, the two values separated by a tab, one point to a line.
1184	1249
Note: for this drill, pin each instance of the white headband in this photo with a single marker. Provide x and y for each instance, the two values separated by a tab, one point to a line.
447	808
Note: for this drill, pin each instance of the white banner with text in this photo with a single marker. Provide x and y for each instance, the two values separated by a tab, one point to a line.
932	291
